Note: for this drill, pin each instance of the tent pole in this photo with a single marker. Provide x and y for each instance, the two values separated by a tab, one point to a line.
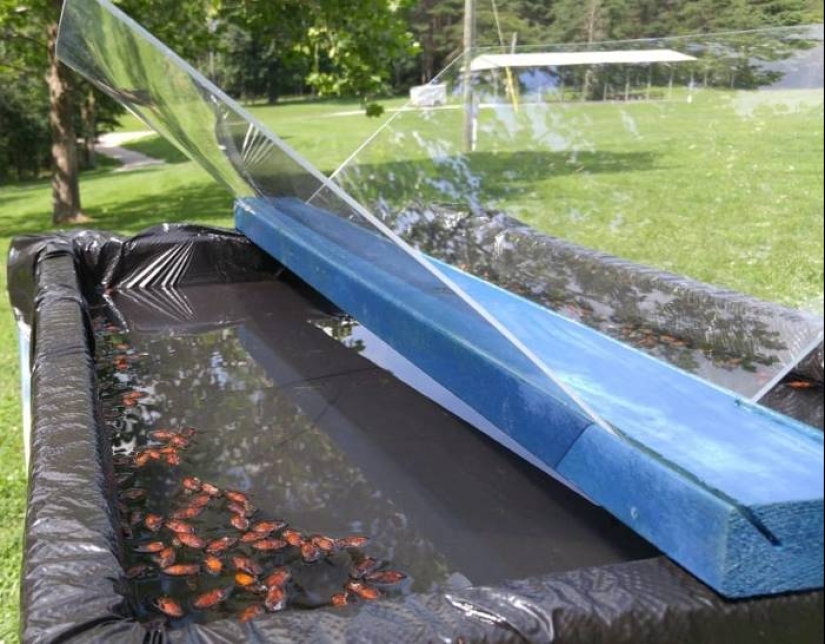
469	98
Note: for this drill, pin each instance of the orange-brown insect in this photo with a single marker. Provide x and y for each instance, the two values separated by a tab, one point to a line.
220	545
176	525
324	543
142	459
190	540
386	577
363	591
162	435
213	565
239	522
212	598
182	570
364	567
240	509
340	599
200	500
150	548
236	497
269	545
252	612
188	513
211	490
245	564
179	442
276	599
801	384
293	538
192	484
309	552
166	557
153	522
168	607
252	537
352	542
173	459
268	527
244	579
278	577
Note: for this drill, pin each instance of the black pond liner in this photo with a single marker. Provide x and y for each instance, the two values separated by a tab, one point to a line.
72	589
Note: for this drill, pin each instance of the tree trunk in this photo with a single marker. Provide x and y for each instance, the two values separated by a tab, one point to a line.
89	119
65	185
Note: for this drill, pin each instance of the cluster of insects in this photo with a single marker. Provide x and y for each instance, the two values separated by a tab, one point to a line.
213	542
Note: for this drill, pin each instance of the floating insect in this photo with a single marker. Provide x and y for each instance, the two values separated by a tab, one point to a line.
324	543
236	497
168	607
268	527
173	459
251	612
211	490
213	565
153	522
212	598
801	385
293	538
340	599
245	564
239	522
150	548
269	545
241	509
310	553
166	557
352	542
252	537
200	500
220	545
278	577
182	570
192	484
162	435
386	577
188	513
364	567
363	591
276	599
176	525
190	540
244	579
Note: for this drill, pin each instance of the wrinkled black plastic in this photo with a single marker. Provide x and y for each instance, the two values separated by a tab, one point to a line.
71	590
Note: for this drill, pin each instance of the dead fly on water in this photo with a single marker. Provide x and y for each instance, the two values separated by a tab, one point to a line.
182	570
168	607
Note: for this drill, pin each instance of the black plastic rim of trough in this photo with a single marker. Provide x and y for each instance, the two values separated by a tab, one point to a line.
71	587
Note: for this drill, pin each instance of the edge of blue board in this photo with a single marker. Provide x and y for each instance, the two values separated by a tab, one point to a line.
731	492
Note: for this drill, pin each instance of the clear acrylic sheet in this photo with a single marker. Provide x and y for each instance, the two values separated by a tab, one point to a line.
121	58
581	139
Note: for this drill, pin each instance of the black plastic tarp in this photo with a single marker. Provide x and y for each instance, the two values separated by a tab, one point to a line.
72	588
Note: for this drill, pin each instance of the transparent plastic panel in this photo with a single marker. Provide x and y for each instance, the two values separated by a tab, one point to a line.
122	59
700	157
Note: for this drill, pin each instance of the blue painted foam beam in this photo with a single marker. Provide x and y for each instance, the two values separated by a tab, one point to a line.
731	491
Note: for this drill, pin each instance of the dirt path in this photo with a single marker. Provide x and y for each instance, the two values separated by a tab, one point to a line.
110	145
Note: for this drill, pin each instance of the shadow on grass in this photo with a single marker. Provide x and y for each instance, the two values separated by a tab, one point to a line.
497	173
207	204
158	148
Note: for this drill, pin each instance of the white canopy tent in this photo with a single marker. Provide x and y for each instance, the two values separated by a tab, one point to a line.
488	62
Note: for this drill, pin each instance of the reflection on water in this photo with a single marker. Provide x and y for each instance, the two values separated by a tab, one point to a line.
322	438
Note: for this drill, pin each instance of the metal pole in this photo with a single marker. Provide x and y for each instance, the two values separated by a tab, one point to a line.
469	98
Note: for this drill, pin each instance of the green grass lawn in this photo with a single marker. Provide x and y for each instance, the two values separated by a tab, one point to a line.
659	184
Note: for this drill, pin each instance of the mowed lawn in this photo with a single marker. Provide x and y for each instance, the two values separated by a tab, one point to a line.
723	189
